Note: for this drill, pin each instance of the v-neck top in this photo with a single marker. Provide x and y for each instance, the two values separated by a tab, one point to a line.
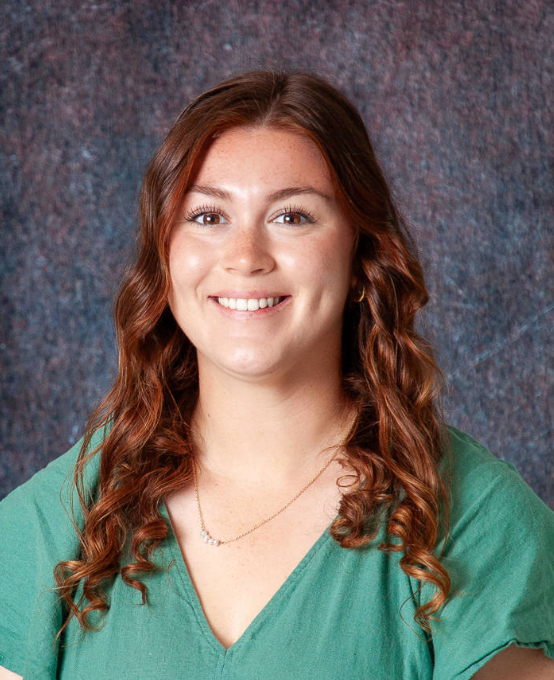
341	613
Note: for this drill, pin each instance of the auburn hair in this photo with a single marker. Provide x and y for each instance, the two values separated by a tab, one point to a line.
387	369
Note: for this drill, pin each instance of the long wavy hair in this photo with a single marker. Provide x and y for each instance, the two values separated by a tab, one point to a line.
387	369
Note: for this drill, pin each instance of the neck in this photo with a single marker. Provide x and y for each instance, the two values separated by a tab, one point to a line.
248	433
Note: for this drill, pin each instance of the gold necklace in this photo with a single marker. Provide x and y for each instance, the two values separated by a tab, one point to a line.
216	541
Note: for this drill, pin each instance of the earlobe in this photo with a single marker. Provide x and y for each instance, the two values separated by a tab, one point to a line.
359	293
355	282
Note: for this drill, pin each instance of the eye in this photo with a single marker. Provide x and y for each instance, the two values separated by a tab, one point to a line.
294	217
211	216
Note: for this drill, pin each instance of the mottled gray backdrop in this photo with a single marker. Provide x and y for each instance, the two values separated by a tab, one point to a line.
458	97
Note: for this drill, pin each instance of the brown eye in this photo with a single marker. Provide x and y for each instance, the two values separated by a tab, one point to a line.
292	218
210	218
206	217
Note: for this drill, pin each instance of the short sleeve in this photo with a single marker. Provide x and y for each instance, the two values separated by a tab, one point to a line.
500	557
37	532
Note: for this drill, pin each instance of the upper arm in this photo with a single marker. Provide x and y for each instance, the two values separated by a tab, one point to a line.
517	663
5	674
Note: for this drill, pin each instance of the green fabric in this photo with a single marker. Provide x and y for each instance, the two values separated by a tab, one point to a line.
340	614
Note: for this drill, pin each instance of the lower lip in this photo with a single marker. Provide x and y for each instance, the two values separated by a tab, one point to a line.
258	314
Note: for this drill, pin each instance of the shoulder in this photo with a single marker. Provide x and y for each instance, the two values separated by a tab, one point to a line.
469	457
479	481
41	504
491	505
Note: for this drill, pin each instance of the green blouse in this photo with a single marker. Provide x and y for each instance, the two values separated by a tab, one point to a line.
340	614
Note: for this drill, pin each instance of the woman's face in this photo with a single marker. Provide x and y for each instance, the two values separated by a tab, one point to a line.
261	221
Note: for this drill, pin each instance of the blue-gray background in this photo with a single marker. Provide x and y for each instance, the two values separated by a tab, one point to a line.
457	96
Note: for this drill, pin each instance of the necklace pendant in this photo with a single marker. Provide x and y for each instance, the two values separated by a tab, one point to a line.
208	539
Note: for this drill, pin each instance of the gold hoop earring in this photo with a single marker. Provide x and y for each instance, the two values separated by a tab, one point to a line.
362	295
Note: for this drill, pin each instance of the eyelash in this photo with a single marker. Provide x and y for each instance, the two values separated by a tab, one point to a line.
212	209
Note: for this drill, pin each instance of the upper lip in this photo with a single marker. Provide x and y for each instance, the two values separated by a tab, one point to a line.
247	294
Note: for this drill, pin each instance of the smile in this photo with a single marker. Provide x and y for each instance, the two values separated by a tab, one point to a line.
250	304
242	308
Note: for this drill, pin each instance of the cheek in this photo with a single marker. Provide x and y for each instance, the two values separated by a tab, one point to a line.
326	259
187	265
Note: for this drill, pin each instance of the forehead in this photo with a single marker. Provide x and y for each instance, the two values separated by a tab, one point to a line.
269	155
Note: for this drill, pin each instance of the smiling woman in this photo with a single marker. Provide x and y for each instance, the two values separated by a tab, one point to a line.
270	488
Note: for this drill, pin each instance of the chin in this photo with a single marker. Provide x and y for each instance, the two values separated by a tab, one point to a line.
247	365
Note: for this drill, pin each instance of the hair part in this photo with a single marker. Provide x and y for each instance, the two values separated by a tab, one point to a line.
387	370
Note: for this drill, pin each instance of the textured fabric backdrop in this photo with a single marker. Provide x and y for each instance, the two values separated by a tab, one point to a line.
458	98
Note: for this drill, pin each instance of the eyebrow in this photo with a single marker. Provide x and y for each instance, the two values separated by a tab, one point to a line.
278	195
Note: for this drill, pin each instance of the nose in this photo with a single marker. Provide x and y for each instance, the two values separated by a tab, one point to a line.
247	251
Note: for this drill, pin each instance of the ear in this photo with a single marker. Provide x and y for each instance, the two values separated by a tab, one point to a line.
355	280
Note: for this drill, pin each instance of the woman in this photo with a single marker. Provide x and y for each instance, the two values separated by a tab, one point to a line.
270	490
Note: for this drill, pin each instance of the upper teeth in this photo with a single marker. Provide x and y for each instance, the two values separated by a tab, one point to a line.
250	304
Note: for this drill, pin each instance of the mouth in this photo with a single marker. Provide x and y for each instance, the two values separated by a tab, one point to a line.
242	308
251	304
